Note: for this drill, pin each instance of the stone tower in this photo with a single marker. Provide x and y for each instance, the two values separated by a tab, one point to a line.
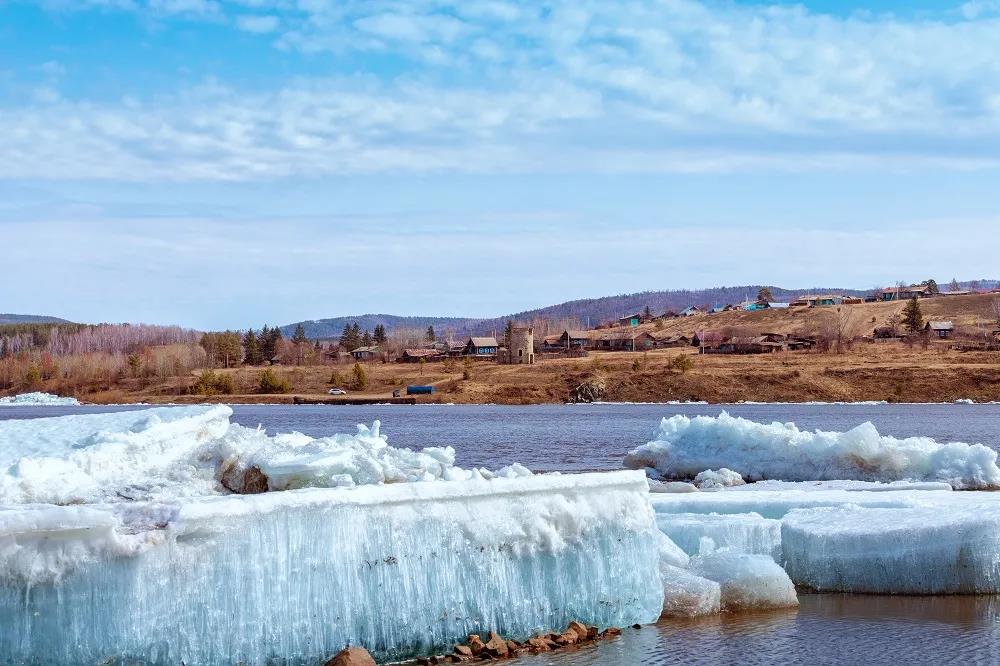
522	346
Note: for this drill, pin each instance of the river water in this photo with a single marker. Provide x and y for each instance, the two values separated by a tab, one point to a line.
826	629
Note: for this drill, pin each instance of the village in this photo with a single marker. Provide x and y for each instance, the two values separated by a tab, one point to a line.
814	322
903	343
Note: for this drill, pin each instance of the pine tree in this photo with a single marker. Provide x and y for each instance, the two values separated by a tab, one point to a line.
647	314
508	333
350	338
933	286
913	319
379	335
251	348
300	335
430	336
262	341
269	338
954	285
765	295
366	339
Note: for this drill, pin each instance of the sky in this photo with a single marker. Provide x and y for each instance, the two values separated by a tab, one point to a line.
230	163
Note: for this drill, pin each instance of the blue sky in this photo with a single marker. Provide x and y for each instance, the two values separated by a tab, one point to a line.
228	163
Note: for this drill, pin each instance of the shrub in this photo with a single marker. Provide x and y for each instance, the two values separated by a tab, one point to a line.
359	381
225	384
336	379
271	383
682	363
32	376
210	383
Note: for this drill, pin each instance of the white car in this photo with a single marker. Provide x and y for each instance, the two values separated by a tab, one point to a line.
337	391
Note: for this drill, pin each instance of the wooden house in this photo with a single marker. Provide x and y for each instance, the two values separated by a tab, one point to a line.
905	293
940	329
481	347
366	353
415	355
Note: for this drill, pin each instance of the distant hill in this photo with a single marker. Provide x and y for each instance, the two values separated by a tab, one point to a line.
334	326
6	319
584	312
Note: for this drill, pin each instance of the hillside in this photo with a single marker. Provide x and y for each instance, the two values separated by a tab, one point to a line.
587	312
6	319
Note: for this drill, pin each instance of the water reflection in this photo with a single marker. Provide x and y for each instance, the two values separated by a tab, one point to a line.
826	629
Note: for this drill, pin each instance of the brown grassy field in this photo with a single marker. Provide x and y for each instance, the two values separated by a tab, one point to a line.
889	371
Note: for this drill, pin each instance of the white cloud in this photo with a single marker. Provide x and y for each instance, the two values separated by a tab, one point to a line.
257	24
489	85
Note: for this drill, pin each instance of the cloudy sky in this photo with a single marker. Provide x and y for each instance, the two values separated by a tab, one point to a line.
222	163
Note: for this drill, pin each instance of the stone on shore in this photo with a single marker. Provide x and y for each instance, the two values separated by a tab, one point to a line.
354	656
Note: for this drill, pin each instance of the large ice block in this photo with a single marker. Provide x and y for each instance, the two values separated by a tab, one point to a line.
952	548
294	576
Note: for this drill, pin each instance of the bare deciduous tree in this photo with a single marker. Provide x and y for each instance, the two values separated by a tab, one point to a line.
842	326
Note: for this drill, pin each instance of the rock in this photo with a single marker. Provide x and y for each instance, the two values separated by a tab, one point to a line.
250	481
496	646
580	630
540	644
637	626
475	644
355	656
567	637
592	390
463	650
611	631
512	646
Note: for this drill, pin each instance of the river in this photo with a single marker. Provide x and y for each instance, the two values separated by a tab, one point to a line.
826	629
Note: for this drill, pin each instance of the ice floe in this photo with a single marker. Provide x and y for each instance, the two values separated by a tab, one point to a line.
848	539
166	453
37	398
743	532
747	581
918	550
686	446
686	594
402	569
